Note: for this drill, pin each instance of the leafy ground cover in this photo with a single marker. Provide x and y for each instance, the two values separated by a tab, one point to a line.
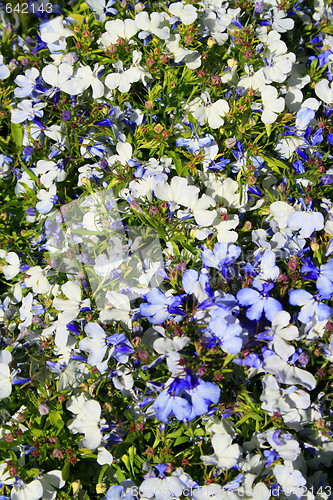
166	250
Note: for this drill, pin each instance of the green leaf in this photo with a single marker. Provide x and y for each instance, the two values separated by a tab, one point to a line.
268	127
56	419
65	471
180	440
253	416
274	164
17	134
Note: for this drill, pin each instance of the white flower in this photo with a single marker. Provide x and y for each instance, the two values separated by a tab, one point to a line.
53	30
23	491
51	481
88	422
205	111
324	90
153	23
27	110
271	104
119	308
124	150
288	374
50	172
287	146
279	62
191	58
37	281
73	305
187	13
86	77
12	268
47	199
123	79
26	83
254	80
5	375
166	488
226	454
283	332
58	77
281	23
290	479
198	207
116	29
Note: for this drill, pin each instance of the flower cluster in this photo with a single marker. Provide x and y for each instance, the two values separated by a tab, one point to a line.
166	250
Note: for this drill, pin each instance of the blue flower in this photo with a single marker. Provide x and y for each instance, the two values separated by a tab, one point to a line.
260	302
221	258
159	306
311	305
169	402
202	394
227	330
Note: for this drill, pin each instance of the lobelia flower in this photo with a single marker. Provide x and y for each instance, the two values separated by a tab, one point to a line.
7	377
161	487
267	271
97	344
13	266
311	305
272	105
278	62
70	308
50	172
4	71
290	480
221	257
197	284
288	374
282	332
169	349
88	422
226	454
260	302
47	199
202	394
191	58
254	80
152	24
159	306
26	83
204	110
102	8
227	330
51	482
198	207
53	30
84	78
119	492
122	79
185	12
59	78
27	110
305	222
118	308
37	280
118	29
170	401
324	90
26	491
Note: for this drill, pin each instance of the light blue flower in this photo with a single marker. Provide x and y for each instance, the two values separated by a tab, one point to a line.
311	305
159	306
4	71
